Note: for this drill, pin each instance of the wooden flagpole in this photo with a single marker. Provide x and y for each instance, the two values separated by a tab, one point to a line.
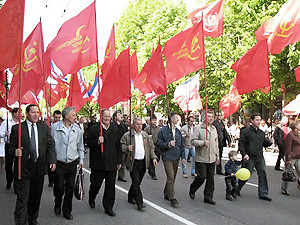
20	96
98	71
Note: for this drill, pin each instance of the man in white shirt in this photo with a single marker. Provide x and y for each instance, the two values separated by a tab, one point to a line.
5	129
139	149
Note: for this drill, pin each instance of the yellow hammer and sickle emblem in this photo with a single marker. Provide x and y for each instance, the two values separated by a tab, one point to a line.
194	47
284	28
107	54
2	94
144	80
27	60
85	40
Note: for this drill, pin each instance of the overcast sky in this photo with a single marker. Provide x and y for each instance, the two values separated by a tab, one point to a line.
53	16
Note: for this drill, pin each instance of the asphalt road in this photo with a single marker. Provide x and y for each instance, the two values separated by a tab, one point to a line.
247	209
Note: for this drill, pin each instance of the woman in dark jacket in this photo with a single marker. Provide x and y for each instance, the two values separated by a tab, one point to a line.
292	154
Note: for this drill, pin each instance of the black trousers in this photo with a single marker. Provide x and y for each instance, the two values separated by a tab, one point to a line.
64	185
137	175
151	169
219	167
280	155
29	191
96	180
9	161
204	171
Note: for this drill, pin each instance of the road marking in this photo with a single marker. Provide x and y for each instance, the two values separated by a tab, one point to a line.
168	213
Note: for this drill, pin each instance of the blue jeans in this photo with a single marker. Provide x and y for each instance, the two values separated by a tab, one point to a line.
192	152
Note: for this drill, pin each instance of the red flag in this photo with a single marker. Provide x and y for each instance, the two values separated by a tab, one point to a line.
231	102
213	14
152	77
50	95
187	95
33	78
2	94
184	53
133	66
61	88
150	97
75	97
116	85
253	69
74	47
2	75
11	35
266	90
283	29
297	74
110	53
29	98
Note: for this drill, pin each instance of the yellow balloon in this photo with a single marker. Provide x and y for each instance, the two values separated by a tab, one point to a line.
243	174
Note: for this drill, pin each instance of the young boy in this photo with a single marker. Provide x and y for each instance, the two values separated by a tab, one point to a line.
230	180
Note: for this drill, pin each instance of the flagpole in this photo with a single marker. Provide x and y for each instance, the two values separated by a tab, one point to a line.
130	153
6	102
206	122
98	71
20	96
220	74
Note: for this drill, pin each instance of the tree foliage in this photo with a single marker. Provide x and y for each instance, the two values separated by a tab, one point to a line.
144	22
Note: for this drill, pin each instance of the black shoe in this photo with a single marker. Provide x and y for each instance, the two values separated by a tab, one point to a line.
122	179
285	193
8	186
192	195
68	216
266	198
140	207
234	195
174	203
34	222
167	198
238	193
92	203
57	211
210	201
110	212
132	201
50	185
154	178
229	198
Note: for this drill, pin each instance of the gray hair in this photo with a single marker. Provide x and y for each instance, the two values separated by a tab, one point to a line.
67	110
136	119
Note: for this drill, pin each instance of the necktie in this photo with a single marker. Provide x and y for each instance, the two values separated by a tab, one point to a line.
33	144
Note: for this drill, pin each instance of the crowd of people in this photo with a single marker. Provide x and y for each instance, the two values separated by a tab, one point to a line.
115	145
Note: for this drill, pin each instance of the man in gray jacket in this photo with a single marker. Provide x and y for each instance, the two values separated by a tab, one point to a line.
70	152
205	140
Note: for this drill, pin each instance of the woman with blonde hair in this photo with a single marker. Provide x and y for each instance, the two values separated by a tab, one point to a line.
292	154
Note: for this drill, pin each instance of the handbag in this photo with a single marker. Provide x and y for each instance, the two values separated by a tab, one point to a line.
288	175
79	188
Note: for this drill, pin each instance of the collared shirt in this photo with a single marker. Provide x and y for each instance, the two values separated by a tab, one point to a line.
139	146
36	135
3	128
105	127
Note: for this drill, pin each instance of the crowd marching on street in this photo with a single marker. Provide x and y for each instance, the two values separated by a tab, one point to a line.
138	147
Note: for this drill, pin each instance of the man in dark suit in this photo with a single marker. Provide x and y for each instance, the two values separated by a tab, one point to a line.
104	165
37	152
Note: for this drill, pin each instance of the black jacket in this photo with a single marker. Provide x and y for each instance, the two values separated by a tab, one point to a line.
111	148
252	141
223	135
47	154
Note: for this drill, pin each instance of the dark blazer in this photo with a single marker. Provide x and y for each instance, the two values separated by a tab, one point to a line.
111	148
47	154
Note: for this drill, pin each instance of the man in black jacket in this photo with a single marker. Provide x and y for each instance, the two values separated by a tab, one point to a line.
104	162
37	153
251	145
122	129
223	136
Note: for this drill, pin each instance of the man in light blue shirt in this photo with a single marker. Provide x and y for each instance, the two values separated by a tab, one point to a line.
70	152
